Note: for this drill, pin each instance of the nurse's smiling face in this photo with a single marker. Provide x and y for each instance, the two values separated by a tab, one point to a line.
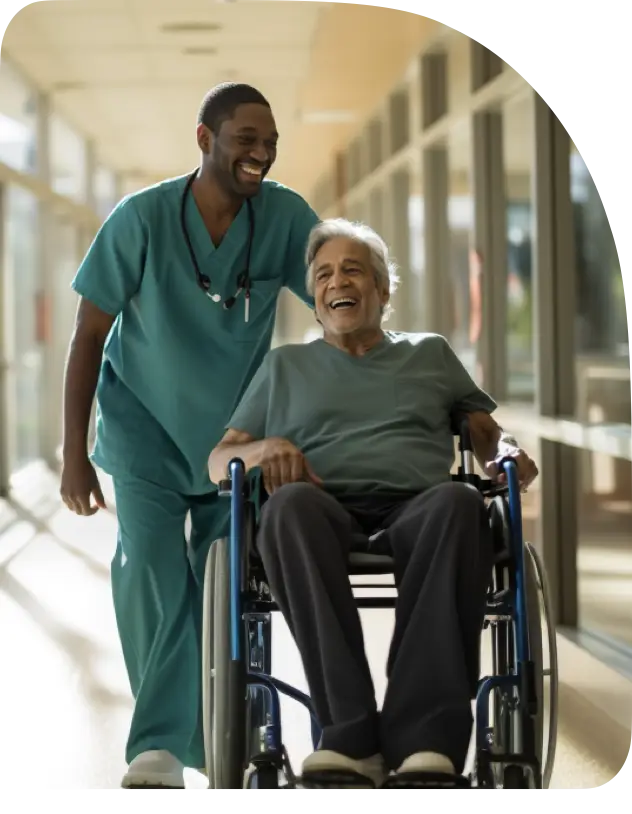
240	155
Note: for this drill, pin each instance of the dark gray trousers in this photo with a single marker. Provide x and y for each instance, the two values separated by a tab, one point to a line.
442	547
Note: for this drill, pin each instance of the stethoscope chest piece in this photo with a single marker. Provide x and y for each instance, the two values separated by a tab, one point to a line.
214	297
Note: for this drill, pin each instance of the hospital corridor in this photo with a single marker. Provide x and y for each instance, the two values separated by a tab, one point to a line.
503	247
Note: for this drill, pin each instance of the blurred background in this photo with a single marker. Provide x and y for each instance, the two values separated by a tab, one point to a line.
386	117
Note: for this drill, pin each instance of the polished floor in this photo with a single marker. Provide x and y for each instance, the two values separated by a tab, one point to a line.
63	684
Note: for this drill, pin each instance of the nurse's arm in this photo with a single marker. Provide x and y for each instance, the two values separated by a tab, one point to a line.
234	444
92	326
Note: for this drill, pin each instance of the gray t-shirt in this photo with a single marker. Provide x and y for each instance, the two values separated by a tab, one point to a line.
381	422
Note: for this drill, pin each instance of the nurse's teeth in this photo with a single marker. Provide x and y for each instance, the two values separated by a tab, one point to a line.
250	170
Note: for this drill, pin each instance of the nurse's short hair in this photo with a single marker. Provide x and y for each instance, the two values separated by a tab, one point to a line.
384	268
220	103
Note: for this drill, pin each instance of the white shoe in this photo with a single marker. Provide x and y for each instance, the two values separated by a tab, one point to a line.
325	761
427	762
155	769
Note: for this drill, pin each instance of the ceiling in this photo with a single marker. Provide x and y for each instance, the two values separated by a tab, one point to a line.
130	74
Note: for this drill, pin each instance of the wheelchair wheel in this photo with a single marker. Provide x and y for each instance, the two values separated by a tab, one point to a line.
226	725
207	663
544	655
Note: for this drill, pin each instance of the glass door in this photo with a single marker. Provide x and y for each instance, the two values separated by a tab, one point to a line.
65	243
22	322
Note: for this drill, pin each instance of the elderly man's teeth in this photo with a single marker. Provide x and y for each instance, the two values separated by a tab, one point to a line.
343	302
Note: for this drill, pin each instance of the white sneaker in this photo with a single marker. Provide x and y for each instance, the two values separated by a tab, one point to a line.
427	770
324	761
155	769
427	762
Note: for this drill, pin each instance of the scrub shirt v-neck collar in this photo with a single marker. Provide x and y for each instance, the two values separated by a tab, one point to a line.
203	245
376	351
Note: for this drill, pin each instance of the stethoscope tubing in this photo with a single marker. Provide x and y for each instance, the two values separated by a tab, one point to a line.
244	282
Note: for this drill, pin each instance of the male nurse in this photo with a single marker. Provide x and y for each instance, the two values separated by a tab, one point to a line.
178	295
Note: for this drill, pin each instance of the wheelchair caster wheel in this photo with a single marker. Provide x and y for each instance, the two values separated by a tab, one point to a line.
334	780
427	780
264	778
514	778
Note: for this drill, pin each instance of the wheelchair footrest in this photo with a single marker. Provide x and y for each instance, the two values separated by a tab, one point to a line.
334	779
427	780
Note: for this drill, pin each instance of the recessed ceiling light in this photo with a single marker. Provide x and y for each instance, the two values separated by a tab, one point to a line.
199	52
65	87
189	28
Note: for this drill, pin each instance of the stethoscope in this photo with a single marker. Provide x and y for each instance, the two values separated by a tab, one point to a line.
244	282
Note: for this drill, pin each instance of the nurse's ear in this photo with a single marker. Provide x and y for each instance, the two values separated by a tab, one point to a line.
204	138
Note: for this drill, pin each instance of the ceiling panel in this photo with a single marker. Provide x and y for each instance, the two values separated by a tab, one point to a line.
135	89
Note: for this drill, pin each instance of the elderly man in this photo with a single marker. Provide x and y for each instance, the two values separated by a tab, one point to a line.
353	435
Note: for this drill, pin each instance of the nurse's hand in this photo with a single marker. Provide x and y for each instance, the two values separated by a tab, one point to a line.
79	483
282	463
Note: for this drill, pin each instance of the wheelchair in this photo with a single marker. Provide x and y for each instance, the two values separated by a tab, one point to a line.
514	735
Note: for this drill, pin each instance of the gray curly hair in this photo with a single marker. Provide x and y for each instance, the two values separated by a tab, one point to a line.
384	268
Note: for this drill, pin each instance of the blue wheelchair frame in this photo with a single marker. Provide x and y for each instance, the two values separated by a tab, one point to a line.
250	642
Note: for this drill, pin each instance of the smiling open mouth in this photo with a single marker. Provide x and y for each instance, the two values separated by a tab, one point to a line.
251	171
343	303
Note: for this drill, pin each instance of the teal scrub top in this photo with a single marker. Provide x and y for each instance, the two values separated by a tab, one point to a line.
176	363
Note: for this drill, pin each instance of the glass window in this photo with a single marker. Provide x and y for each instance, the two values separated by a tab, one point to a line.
104	191
417	250
518	136
601	335
64	239
604	556
21	269
464	324
67	160
18	121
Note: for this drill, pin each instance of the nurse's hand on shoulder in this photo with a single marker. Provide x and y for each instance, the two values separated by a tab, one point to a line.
79	483
282	463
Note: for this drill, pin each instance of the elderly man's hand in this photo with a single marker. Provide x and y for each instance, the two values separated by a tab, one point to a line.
527	470
282	463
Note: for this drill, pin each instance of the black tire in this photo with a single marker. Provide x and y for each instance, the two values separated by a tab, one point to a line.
229	685
540	621
207	663
514	778
265	777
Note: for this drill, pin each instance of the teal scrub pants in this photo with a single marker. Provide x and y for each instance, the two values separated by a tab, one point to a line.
157	584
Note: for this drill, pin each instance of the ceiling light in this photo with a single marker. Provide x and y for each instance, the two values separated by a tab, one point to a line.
199	52
189	28
328	117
